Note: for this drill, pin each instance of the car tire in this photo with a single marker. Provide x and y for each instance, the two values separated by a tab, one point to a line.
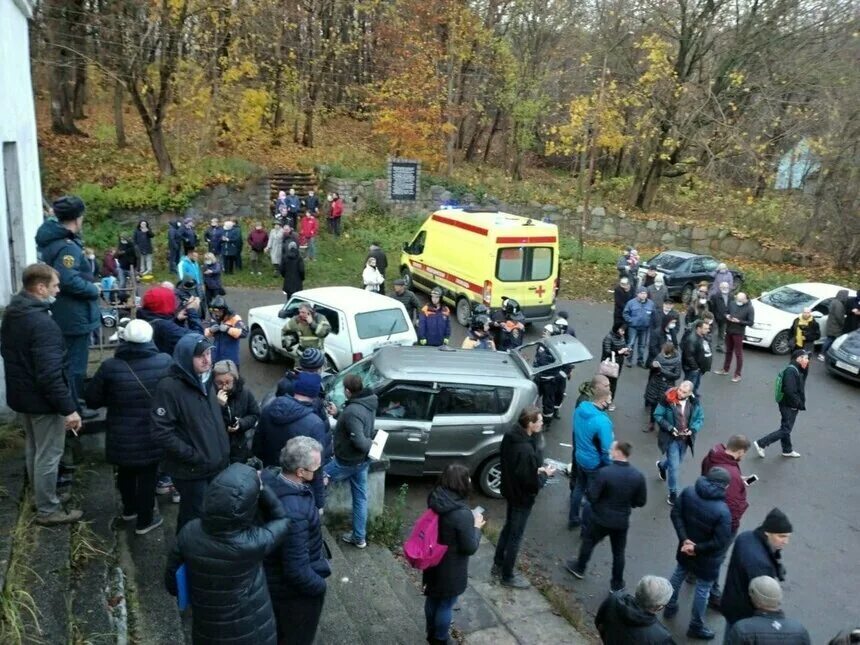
406	276
259	346
463	310
781	344
490	477
687	293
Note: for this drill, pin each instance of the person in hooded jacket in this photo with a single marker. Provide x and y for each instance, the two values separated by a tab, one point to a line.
769	624
679	417
311	360
835	321
169	324
592	438
353	438
729	457
460	531
664	330
292	266
239	408
125	384
704	527
523	475
756	553
174	245
223	551
289	416
226	331
664	373
296	572
188	424
623	619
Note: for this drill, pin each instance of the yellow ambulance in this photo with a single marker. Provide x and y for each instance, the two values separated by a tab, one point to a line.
479	256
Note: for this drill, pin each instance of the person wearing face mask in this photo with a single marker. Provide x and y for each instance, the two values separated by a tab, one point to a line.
239	408
663	330
679	417
38	387
698	306
76	308
718	303
657	292
740	315
187	422
665	371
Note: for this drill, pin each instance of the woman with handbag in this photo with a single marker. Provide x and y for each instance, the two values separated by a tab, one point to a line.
612	358
124	385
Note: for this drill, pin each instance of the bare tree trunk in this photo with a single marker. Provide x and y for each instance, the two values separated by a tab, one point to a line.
64	61
497	120
118	117
308	132
80	91
472	148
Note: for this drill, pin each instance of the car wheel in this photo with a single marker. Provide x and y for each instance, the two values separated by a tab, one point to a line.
490	477
781	343
687	293
464	311
406	276
258	344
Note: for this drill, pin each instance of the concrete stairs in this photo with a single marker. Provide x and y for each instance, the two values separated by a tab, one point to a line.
286	179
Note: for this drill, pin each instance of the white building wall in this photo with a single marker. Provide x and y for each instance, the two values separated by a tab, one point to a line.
20	184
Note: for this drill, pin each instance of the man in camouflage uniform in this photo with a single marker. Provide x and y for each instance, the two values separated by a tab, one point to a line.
306	330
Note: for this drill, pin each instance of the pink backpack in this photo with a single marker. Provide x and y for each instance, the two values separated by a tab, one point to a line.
422	549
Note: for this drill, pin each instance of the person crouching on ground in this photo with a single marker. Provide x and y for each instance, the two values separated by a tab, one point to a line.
223	551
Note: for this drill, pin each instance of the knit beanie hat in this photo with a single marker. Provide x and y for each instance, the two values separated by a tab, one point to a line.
776	522
159	300
765	592
137	331
308	384
311	359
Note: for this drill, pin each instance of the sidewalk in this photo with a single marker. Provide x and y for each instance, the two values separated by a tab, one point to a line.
490	614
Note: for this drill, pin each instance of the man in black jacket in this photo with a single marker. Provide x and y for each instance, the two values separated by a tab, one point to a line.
353	437
613	492
624	619
756	553
718	304
38	387
739	316
523	475
622	294
793	400
187	422
407	298
696	354
768	624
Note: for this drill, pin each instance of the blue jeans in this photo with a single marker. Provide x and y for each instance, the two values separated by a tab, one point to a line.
672	461
583	478
508	546
637	341
695	377
357	476
700	599
438	613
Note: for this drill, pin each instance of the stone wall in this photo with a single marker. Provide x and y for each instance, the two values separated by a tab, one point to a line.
604	226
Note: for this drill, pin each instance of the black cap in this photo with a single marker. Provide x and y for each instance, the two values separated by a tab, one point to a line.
68	207
797	353
400	282
202	345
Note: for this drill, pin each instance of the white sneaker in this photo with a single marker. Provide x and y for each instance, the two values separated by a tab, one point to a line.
758	449
793	454
821	357
721	372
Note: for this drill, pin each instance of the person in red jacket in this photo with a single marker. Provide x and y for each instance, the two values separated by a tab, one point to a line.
335	213
308	230
729	456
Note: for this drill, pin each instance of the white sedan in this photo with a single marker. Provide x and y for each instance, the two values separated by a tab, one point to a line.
776	310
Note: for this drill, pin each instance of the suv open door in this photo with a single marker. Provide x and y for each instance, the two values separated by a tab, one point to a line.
566	349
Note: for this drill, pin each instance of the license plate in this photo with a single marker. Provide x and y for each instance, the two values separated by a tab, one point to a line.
847	367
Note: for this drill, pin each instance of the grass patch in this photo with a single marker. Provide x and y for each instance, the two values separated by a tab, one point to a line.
84	545
18	611
11	437
386	529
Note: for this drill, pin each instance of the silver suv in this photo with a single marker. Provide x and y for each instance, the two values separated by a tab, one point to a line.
442	405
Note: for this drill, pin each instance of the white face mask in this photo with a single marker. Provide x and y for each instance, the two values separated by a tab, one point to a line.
672	326
51	300
91	257
739	302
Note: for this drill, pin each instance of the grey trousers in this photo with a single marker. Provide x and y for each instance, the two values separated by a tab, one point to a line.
45	435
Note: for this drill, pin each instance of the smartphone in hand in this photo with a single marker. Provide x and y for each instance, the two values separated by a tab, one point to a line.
478	510
752	479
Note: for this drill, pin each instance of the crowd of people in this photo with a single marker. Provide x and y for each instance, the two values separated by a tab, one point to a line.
251	479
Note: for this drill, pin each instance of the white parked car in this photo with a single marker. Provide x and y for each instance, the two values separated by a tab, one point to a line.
776	310
361	322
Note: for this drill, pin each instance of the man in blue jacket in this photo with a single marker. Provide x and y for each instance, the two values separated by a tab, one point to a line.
679	418
434	321
296	572
592	438
638	314
703	524
76	308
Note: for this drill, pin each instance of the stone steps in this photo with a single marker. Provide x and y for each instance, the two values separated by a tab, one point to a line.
382	604
284	180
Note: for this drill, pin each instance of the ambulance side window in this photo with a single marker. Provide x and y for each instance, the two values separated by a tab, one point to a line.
417	246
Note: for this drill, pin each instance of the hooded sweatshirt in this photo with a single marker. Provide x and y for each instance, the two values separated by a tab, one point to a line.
186	419
34	358
353	434
592	427
457	531
281	420
621	621
521	456
736	493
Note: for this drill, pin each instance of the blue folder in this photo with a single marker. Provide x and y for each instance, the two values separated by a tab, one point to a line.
183	598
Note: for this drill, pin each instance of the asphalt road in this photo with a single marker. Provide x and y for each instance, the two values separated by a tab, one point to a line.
820	492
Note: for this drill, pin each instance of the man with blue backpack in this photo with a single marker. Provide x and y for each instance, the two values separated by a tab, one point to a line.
790	394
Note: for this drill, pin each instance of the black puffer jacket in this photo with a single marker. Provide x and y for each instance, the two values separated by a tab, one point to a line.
241	405
125	385
614	491
662	378
223	552
354	431
621	621
457	530
521	456
187	421
700	514
751	557
34	357
613	342
298	567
